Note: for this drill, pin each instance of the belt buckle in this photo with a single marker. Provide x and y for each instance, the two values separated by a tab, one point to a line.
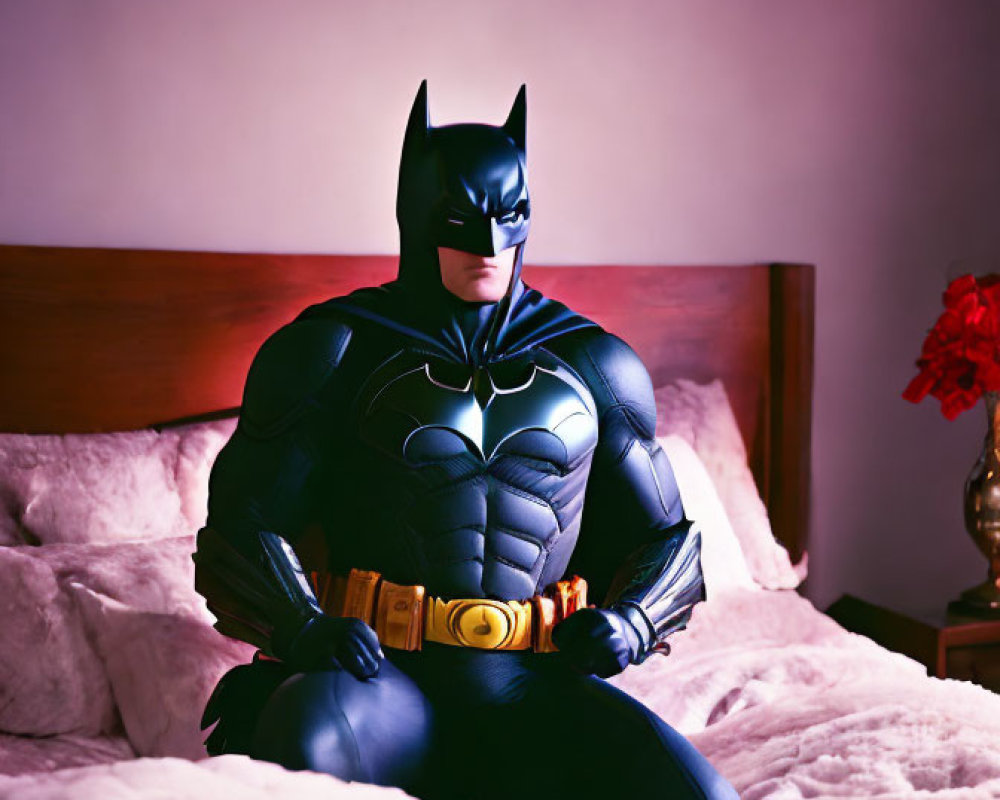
487	624
403	616
479	622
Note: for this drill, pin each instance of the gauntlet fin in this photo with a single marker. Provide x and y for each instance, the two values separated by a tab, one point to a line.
265	601
657	587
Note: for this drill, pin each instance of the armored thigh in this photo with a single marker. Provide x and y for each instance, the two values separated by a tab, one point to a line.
582	737
375	731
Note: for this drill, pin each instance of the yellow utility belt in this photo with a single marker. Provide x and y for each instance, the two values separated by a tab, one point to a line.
405	616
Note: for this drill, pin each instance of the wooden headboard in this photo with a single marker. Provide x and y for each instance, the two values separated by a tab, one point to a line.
100	340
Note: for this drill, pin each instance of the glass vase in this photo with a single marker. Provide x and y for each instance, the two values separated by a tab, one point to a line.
982	516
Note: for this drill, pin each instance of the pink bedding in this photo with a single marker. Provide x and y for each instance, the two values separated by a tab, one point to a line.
784	702
109	655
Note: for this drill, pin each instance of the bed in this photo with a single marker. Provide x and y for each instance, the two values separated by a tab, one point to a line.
123	371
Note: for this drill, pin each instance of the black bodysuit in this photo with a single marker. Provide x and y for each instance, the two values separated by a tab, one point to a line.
480	450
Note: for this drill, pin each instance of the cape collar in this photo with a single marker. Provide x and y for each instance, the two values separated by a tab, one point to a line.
454	329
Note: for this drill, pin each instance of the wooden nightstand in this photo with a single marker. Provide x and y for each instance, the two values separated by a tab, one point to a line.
950	645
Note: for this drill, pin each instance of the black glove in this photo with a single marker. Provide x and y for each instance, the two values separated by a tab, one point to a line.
326	642
599	641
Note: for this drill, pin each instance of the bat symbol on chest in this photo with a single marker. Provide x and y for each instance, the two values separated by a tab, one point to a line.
479	411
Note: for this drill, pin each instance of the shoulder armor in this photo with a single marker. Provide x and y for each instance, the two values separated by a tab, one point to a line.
615	374
288	372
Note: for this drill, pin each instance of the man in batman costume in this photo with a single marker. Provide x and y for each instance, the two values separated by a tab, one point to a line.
466	449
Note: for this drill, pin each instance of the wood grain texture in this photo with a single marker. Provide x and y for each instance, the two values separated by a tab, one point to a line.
793	290
99	339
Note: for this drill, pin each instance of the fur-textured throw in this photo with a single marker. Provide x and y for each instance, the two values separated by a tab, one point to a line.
109	654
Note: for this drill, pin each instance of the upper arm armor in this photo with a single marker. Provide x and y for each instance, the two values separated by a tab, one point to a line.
258	497
634	518
289	373
627	446
618	381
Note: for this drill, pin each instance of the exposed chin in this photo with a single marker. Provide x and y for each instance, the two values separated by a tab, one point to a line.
485	290
481	297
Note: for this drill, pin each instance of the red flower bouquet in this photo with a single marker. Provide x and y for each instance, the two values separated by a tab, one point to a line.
960	359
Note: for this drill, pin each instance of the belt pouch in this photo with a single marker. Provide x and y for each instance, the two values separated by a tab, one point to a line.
399	616
569	596
545	618
359	594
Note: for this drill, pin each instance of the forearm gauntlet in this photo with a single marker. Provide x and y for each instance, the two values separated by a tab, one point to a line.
657	587
259	595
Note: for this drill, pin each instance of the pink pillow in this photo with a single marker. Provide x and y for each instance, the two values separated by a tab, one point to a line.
22	755
107	487
54	681
722	562
162	668
157	575
51	679
702	415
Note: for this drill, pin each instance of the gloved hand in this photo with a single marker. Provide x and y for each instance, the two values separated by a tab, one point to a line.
327	642
598	640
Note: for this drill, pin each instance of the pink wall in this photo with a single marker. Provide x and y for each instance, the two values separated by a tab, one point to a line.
862	136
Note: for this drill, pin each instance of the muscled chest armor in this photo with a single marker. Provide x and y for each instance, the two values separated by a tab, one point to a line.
482	469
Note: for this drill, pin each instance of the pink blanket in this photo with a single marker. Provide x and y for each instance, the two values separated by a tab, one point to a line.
109	655
782	701
786	704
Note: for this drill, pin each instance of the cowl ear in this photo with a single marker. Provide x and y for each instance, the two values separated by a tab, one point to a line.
419	122
514	127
